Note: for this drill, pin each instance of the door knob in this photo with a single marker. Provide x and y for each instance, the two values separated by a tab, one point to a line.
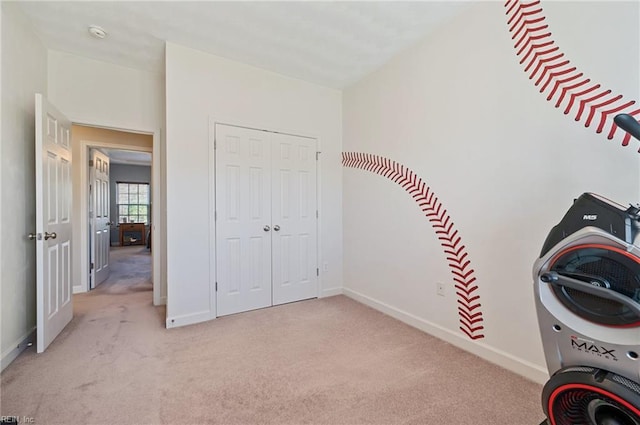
109	223
276	227
51	235
266	228
33	236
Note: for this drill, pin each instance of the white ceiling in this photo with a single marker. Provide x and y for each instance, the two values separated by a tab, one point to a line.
118	156
329	43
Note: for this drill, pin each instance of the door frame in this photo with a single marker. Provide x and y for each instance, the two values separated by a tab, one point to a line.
157	241
212	203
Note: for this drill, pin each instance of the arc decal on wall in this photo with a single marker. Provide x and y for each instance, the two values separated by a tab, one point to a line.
457	257
557	78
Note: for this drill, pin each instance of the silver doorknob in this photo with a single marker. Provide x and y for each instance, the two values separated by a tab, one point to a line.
109	223
266	228
276	227
33	236
51	235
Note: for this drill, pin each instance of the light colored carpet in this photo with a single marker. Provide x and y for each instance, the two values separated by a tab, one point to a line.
327	361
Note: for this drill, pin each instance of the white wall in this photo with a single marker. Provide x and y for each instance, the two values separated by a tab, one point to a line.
24	72
89	91
460	111
97	93
201	87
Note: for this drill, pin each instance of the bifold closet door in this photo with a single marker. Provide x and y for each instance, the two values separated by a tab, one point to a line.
266	225
243	223
293	206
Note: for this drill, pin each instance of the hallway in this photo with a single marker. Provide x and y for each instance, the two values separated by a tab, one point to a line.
130	272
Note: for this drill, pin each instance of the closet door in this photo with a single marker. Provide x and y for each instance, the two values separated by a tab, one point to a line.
243	225
294	218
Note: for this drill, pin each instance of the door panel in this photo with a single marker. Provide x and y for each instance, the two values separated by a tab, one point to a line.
243	198
100	222
294	214
54	308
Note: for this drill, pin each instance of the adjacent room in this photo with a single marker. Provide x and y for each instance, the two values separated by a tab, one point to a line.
320	212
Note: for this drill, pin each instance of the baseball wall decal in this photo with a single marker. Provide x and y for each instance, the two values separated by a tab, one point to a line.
563	84
469	307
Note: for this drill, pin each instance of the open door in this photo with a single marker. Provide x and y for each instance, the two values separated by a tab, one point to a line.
53	222
99	217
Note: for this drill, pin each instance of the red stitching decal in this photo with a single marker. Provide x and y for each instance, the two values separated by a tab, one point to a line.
590	103
455	251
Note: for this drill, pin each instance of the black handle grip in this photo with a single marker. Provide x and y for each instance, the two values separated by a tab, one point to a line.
554	278
628	124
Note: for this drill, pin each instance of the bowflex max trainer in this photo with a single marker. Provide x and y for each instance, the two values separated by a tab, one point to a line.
587	286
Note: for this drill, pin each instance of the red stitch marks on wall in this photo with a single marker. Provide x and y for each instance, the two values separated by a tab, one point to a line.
586	99
457	257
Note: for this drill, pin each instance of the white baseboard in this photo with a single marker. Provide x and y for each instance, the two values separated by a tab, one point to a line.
330	292
188	319
17	347
522	367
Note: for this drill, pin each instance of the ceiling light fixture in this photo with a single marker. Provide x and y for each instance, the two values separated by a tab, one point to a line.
97	32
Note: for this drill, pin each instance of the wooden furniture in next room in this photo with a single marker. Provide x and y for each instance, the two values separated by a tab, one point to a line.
132	234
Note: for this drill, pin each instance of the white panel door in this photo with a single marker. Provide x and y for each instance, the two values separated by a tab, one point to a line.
99	212
243	223
294	218
53	222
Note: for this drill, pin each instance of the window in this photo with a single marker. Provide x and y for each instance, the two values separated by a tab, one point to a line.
133	202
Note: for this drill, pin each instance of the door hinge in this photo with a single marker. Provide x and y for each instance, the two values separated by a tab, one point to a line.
91	266
318	271
91	163
317	214
215	144
317	155
216	286
215	216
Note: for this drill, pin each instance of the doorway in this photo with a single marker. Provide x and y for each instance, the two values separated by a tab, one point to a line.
119	191
126	150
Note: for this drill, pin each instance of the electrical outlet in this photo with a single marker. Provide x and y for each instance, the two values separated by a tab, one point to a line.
440	288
